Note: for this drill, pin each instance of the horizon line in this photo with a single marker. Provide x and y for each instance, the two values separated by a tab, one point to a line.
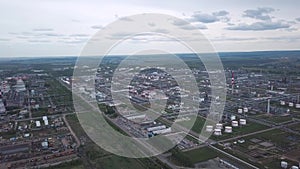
68	56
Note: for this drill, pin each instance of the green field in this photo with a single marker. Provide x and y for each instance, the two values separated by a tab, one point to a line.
201	154
276	119
250	127
95	157
197	126
77	164
280	139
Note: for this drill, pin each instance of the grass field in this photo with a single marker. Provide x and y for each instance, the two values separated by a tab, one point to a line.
280	139
201	154
96	157
276	119
250	127
197	126
77	164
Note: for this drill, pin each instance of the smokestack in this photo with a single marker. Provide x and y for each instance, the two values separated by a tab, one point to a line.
268	108
232	81
272	87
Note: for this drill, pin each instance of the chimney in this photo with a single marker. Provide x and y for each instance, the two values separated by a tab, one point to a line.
268	108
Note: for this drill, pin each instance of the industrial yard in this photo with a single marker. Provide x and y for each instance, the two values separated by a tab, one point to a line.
259	128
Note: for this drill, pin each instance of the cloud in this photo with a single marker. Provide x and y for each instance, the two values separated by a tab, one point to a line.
125	19
50	34
75	41
221	13
97	27
152	24
234	39
204	18
39	41
75	20
179	22
4	40
261	26
298	19
38	33
283	38
259	13
43	29
79	35
192	27
120	35
161	30
210	18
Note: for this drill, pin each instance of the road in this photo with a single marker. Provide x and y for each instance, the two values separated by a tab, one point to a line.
191	133
71	131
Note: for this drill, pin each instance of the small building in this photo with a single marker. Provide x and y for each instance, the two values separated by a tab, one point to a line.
156	128
163	131
219	126
2	107
46	122
38	123
209	128
218	132
228	129
243	122
234	123
45	144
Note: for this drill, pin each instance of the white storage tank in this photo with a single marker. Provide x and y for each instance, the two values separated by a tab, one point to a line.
234	123
298	106
209	128
240	111
284	164
246	109
45	118
219	126
232	117
291	104
243	122
38	123
294	167
282	102
218	132
46	122
228	129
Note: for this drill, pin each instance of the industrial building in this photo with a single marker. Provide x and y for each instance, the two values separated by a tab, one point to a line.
20	86
2	107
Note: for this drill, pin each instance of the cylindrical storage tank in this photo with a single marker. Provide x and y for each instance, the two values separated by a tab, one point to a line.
246	109
232	117
219	126
291	104
298	106
240	111
243	122
294	167
209	128
218	132
234	123
283	164
282	102
228	129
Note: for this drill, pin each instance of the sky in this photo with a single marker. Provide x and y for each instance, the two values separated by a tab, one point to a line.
62	27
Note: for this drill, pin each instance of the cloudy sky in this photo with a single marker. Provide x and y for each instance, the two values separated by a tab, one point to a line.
62	27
